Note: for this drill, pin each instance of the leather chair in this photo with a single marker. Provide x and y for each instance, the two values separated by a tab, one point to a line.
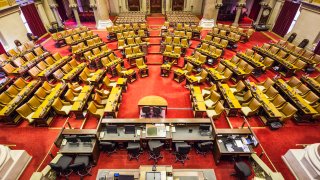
250	108
207	90
104	94
293	82
302	89
278	101
311	98
212	99
226	75
5	100
215	111
157	111
182	151
108	147
155	150
81	166
134	150
48	87
100	100
143	68
130	74
198	78
71	96
220	68
109	84
96	110
245	97
316	116
146	110
237	88
287	111
34	103
41	93
242	170
263	86
204	147
61	167
267	62
61	107
271	92
26	112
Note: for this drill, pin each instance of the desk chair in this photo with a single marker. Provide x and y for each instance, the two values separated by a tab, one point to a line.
250	108
263	86
61	167
242	170
81	166
146	110
155	150
134	150
204	147
157	112
182	151
108	147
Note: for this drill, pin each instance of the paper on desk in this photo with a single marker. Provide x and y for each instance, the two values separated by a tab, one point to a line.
64	142
246	148
173	129
167	128
229	147
101	134
138	132
239	143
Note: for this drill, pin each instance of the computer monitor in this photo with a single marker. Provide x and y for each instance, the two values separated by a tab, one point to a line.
71	139
204	127
112	129
129	129
86	139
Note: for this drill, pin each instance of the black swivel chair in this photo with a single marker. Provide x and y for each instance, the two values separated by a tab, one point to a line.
242	170
157	112
134	150
108	147
155	150
303	43
147	111
292	37
62	166
182	151
81	166
204	148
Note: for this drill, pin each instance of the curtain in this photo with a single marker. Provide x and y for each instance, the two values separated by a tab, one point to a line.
2	50
255	9
285	18
62	10
33	19
317	49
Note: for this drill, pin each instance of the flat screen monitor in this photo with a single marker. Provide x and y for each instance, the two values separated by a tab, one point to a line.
129	129
85	139
112	129
204	127
71	139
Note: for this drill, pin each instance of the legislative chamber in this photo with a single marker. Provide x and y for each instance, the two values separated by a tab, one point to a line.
159	89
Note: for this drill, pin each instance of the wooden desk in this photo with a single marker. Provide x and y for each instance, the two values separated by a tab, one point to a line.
113	103
82	148
40	115
74	72
81	101
215	75
234	68
312	83
197	102
8	113
220	149
305	110
258	65
153	101
268	107
230	100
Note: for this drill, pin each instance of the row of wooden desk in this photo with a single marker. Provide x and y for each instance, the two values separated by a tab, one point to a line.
174	130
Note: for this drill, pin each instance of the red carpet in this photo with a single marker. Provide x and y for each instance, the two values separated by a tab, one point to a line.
37	141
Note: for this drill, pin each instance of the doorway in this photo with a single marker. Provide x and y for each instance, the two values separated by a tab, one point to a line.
155	6
177	5
134	5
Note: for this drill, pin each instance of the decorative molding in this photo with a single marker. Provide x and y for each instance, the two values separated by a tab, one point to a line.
73	5
218	5
9	10
310	7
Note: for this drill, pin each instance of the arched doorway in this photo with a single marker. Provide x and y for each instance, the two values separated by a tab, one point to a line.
155	6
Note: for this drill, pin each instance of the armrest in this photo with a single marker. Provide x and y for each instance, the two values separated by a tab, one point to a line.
245	104
65	103
99	106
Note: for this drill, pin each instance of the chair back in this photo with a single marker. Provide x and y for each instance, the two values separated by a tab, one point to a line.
184	149
206	146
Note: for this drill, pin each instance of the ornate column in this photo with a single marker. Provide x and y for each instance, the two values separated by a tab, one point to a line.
103	10
208	15
93	5
263	5
216	12
53	5
48	11
240	5
74	6
43	15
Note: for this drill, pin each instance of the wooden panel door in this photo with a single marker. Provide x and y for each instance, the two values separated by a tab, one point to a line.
155	6
177	5
134	5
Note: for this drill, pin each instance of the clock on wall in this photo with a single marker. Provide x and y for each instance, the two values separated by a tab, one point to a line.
265	15
266	12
